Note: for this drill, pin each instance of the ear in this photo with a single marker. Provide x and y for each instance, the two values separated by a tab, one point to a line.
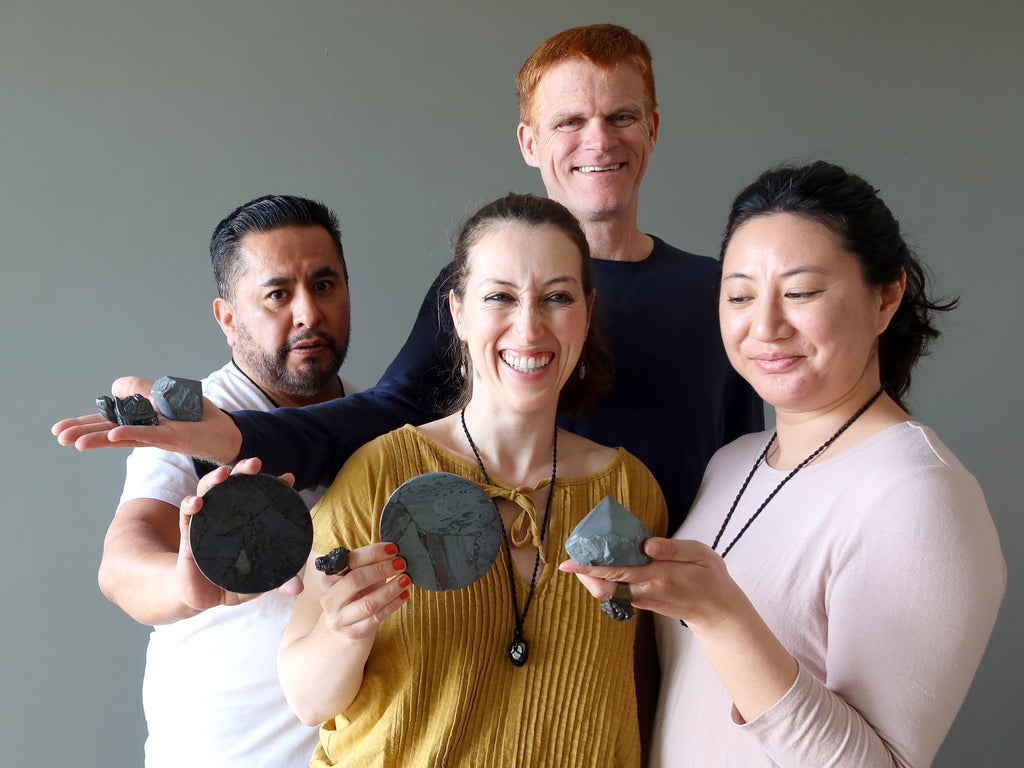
890	297
655	124
455	307
528	144
224	314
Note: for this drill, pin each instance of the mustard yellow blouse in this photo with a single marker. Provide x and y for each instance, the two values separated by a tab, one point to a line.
438	688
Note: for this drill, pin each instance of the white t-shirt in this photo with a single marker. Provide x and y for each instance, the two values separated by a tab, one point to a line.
211	693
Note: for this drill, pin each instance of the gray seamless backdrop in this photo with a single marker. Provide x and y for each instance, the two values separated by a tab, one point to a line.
128	129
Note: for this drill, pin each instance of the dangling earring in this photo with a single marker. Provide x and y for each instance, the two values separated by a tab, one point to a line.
583	370
462	370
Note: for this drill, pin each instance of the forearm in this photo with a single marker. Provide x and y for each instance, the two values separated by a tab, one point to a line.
321	672
752	664
138	568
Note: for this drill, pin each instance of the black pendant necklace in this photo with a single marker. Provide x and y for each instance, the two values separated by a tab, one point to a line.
519	650
784	480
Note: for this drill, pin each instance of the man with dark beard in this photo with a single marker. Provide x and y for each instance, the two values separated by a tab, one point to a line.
283	305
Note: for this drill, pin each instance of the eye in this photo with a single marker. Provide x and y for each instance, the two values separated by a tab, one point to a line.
623	119
738	299
279	295
570	124
798	295
498	298
561	297
322	286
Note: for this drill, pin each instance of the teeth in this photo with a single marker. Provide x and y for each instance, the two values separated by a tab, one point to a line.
593	168
525	364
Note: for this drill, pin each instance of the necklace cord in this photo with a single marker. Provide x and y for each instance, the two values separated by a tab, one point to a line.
817	452
520	619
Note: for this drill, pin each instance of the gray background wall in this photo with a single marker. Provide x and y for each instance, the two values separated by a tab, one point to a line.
127	129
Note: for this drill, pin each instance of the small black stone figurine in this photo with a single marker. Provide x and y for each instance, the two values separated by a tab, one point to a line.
334	562
134	410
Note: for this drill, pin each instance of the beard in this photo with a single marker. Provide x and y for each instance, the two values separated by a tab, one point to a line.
271	371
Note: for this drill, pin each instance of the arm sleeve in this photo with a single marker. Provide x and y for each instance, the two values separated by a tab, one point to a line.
911	605
315	441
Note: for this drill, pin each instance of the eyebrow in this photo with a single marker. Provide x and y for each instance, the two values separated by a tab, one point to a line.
547	283
281	280
788	273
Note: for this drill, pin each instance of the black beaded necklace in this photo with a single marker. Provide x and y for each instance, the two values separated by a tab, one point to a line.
784	480
519	650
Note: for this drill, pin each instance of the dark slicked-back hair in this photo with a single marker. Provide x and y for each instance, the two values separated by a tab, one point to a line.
535	212
606	46
851	208
265	214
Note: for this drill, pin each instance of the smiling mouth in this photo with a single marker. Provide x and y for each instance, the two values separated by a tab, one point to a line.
526	363
598	168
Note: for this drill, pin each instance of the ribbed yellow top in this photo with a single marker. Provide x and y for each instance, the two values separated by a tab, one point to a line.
438	688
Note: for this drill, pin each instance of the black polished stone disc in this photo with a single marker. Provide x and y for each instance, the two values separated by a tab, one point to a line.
445	527
252	535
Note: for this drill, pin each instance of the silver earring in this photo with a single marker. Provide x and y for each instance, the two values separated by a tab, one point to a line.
583	370
462	370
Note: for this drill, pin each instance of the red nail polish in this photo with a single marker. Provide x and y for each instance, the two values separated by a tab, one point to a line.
404	581
390	549
405	595
398	563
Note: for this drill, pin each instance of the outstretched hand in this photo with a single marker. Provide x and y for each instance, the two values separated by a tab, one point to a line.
684	580
195	590
214	438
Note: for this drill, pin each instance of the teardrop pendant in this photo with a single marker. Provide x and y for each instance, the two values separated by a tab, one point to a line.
518	652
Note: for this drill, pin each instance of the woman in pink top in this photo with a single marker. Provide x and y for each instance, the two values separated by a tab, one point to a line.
829	597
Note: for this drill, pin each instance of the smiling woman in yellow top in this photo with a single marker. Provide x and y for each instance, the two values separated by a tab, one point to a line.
521	668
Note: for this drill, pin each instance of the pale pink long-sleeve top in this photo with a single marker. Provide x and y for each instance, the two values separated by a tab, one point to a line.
880	571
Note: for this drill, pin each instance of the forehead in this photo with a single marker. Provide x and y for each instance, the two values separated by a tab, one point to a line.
577	84
291	251
513	252
782	241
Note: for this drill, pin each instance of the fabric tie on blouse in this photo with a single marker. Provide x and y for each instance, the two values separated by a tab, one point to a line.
524	529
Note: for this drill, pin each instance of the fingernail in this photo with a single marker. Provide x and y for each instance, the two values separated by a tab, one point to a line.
398	563
405	595
390	549
404	581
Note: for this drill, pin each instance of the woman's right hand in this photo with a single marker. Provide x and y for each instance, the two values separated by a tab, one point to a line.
357	601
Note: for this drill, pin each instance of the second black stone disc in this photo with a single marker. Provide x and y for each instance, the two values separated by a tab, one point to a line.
445	527
252	535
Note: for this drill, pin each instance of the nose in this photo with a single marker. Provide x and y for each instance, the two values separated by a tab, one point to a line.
599	135
769	320
306	312
528	322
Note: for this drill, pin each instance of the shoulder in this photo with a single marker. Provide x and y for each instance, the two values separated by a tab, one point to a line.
229	388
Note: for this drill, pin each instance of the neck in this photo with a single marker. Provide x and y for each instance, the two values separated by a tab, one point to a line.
798	434
617	240
515	449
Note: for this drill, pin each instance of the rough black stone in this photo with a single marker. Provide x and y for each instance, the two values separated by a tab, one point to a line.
179	399
252	535
446	529
334	562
